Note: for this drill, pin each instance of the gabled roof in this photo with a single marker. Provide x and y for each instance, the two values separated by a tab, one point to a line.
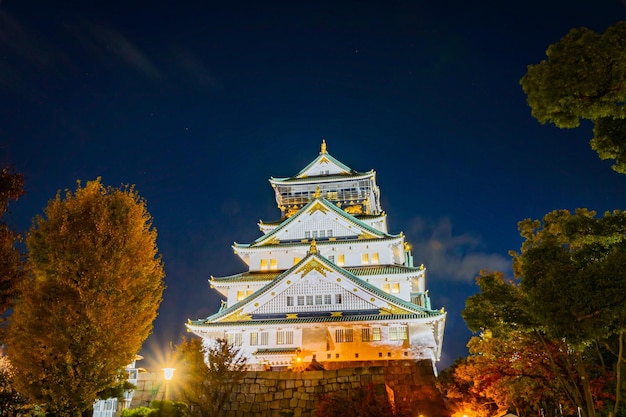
313	261
359	271
331	166
323	205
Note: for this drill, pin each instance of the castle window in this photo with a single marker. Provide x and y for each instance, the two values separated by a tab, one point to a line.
314	234
395	288
327	299
341	260
301	300
307	235
264	338
337	298
318	300
234	339
263	264
322	233
365	259
273	264
241	295
289	301
329	233
375	258
397	333
375	334
254	339
387	288
309	300
284	337
365	334
332	258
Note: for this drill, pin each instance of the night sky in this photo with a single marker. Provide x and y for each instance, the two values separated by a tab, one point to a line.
198	103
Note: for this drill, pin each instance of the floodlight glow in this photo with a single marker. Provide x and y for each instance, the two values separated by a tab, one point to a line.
168	373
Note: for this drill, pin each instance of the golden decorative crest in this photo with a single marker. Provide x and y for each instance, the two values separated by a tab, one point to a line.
291	316
336	313
323	150
354	208
273	241
313	248
391	309
317	206
366	235
317	193
313	265
239	315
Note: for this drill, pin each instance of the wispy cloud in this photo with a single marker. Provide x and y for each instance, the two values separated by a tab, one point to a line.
108	43
449	256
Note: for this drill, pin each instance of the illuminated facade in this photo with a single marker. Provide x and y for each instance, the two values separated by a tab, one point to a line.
111	407
326	282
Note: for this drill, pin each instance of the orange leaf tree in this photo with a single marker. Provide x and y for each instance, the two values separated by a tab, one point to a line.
95	284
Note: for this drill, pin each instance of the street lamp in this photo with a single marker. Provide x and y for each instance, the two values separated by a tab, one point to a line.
168	373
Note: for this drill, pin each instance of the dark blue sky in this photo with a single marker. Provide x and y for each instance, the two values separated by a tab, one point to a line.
198	103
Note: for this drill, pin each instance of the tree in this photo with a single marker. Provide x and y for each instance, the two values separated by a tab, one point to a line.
584	78
209	374
511	372
571	273
11	263
164	408
94	287
11	402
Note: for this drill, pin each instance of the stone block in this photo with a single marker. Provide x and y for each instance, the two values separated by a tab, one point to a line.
313	375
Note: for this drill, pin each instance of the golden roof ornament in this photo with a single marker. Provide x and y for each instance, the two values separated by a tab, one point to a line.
318	192
323	146
313	248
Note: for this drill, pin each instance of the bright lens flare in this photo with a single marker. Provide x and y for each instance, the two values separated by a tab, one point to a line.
168	373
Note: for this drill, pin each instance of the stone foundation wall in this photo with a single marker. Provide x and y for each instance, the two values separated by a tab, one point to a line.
278	394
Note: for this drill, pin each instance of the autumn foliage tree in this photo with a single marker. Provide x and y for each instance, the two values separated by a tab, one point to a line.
571	275
208	374
94	287
11	264
510	372
584	78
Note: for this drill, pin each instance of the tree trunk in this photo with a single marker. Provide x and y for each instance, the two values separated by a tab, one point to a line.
582	372
618	375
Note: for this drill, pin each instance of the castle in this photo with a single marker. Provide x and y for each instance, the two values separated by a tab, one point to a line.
326	283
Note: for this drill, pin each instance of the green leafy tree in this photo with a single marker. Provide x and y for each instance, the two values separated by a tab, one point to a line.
571	273
164	408
584	78
11	263
209	374
95	284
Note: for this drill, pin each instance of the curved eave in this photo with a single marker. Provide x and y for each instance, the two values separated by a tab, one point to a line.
245	277
359	271
425	317
323	178
352	241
